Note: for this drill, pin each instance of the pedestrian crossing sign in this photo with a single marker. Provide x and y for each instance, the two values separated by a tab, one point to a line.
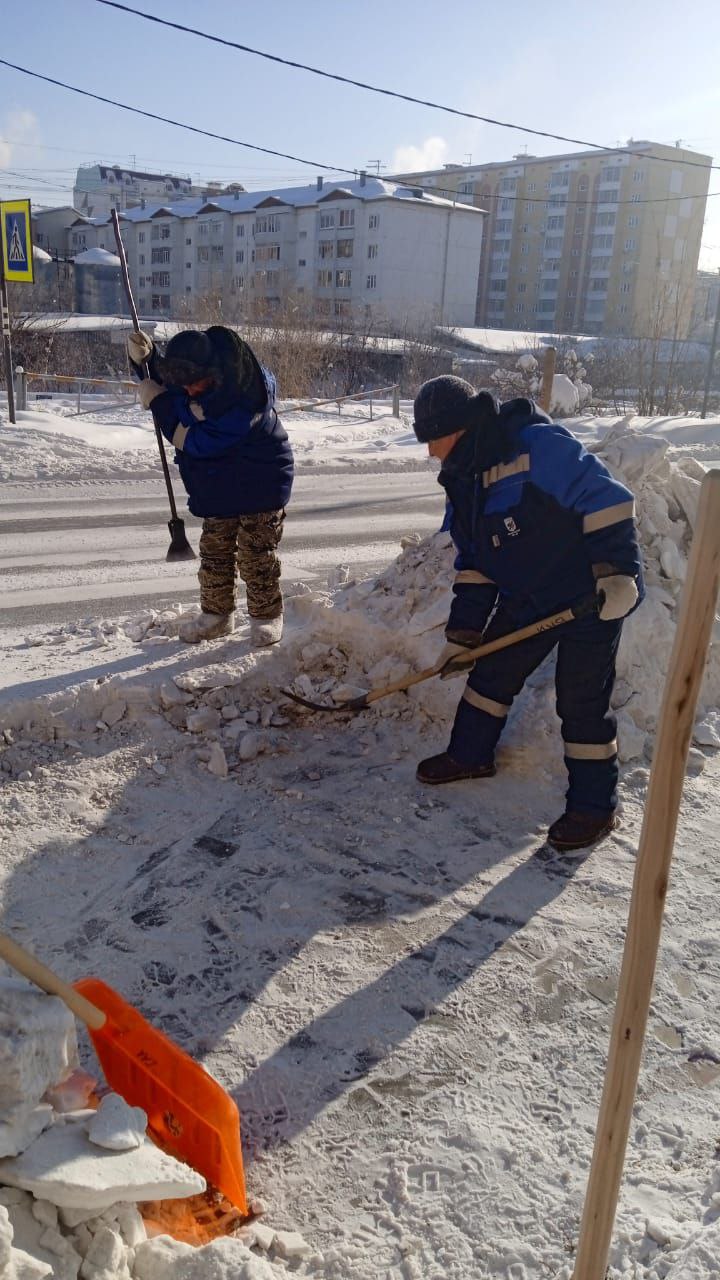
17	254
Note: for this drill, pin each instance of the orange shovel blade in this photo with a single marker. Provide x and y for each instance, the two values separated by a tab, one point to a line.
189	1114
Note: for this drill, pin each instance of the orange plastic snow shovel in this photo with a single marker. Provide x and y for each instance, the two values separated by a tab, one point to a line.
189	1114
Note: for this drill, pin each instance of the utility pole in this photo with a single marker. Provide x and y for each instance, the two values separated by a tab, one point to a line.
713	352
7	350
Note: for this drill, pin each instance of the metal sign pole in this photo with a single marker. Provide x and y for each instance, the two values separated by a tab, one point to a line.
7	349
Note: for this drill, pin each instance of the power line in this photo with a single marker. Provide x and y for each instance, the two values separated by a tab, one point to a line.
337	169
153	115
391	93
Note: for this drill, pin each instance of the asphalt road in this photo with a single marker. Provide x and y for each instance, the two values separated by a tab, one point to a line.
99	548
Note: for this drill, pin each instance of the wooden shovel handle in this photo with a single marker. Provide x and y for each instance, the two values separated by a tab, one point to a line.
26	964
492	646
652	870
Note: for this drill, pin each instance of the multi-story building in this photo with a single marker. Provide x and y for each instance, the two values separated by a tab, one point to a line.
590	242
102	187
367	246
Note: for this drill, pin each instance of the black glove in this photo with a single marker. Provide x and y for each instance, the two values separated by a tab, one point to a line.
454	656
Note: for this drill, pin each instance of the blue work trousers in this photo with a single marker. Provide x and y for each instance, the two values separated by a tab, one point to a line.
584	679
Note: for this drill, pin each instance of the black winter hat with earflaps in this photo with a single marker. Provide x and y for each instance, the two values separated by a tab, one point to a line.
448	404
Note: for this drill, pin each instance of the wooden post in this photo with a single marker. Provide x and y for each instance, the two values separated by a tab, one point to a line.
547	379
396	400
677	715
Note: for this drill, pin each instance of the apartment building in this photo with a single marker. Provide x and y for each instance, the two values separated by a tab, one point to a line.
102	187
590	242
367	246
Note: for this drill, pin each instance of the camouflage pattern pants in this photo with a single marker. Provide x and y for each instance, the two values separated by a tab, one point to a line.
244	545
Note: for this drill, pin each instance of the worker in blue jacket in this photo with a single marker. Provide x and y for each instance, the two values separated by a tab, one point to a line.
538	524
214	401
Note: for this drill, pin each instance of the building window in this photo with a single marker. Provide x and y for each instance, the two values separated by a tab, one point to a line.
155	233
203	227
161	279
508	184
372	251
161	255
239	282
347	218
141	237
630	245
598	286
324	279
522	288
142	259
165	233
605	219
141	282
216	253
239	255
498	286
610	175
270	222
203	254
373	221
327	220
625	287
635	199
188	240
302	235
633	221
532	186
500	246
638	176
503	225
553	243
601	242
215	227
560	180
343	279
326	249
556	223
519	307
371	282
342	308
188	266
302	262
267	253
345	247
240	230
524	248
506	205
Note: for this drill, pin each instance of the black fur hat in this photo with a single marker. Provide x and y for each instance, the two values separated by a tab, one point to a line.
448	404
189	356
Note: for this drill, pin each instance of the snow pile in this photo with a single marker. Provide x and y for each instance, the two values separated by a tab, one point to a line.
370	633
395	621
69	1195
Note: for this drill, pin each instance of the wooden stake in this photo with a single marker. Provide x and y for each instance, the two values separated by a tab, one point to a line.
547	379
677	715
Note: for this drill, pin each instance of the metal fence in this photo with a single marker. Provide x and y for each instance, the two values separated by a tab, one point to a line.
25	380
376	393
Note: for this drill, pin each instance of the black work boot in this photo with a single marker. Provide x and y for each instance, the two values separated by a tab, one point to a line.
443	768
579	830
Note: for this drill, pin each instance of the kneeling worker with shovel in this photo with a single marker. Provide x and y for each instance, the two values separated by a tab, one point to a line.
537	523
215	403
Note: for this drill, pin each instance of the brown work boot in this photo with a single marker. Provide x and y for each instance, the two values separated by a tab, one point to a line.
443	768
579	830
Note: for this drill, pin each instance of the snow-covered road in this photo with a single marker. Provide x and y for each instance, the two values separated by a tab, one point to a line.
64	545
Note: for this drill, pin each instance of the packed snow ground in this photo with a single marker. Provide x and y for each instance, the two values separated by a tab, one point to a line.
407	994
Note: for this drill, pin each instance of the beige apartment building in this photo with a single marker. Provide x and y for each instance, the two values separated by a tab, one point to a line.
588	242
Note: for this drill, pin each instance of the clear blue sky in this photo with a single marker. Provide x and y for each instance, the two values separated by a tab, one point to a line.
640	68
